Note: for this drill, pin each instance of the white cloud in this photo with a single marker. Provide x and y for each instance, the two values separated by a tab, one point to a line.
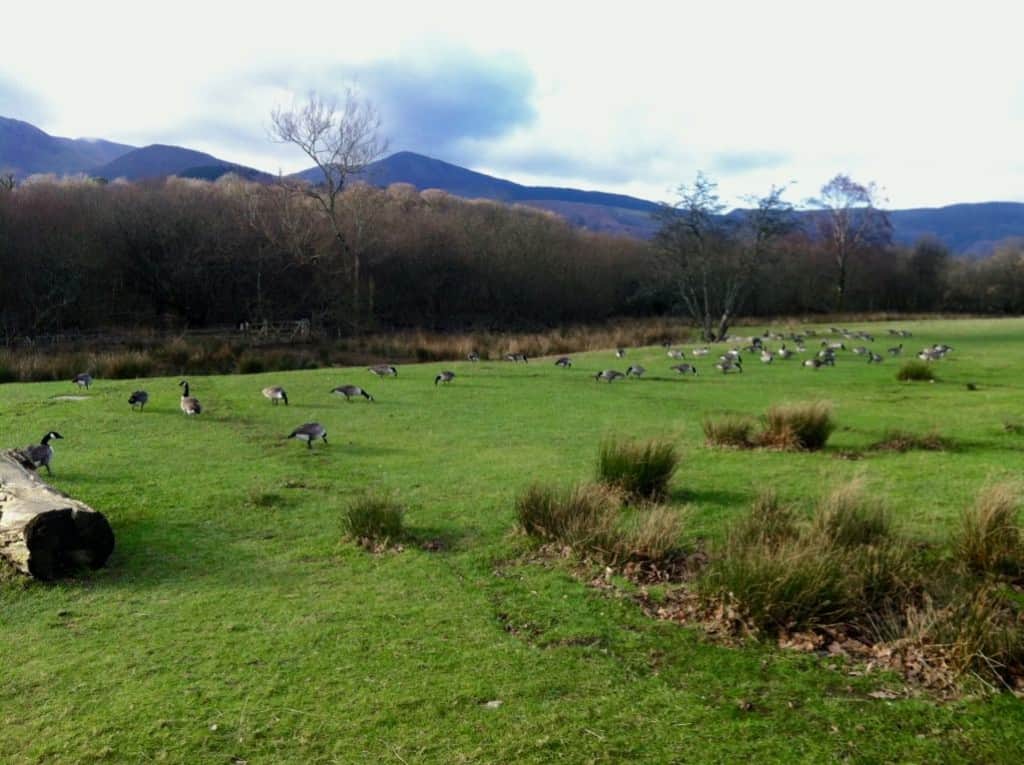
925	98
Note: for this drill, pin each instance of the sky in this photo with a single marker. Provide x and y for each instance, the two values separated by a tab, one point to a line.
924	99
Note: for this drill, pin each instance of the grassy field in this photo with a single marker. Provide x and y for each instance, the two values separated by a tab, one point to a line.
233	624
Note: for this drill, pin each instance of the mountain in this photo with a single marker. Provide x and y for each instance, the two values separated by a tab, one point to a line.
159	160
25	149
968	229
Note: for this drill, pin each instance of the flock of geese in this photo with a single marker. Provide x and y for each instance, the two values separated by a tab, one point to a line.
788	346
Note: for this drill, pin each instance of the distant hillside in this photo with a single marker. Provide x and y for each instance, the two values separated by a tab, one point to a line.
158	161
428	173
970	229
25	149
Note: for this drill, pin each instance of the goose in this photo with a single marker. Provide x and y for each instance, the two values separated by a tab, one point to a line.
620	353
517	357
444	377
785	353
635	370
675	354
139	398
727	365
276	393
608	375
384	370
684	369
767	357
813	363
897	350
82	380
348	391
309	433
473	356
874	358
701	351
41	454
860	350
189	404
564	362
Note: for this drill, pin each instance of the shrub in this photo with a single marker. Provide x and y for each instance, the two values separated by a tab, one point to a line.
989	538
729	431
251	364
920	371
768	524
896	440
652	533
125	365
638	468
374	517
798	426
849	518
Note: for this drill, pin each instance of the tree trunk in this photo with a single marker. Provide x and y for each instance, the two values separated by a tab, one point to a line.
44	532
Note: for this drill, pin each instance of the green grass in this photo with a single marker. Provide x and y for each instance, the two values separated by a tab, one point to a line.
234	621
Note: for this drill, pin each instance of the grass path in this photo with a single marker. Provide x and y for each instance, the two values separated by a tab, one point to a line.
233	624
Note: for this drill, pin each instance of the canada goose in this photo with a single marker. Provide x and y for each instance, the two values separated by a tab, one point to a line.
189	404
276	393
813	363
684	369
767	357
564	362
82	380
701	351
784	353
608	375
635	370
676	354
444	377
348	391
727	365
473	356
517	357
874	358
897	350
309	433
384	370
139	398
41	454
620	353
860	350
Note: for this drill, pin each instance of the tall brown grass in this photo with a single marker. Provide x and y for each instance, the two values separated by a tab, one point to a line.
988	540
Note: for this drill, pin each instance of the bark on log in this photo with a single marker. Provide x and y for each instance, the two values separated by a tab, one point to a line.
44	532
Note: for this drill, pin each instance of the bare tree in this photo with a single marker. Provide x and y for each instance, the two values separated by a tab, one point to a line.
716	257
850	222
7	180
341	141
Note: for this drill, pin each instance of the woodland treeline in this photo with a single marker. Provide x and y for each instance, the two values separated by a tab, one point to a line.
79	255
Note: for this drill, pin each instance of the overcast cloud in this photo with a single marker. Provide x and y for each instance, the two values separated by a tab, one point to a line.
926	99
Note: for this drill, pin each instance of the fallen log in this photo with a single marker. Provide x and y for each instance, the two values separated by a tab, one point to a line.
44	532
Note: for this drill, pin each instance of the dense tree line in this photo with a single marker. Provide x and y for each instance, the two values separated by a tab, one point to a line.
82	255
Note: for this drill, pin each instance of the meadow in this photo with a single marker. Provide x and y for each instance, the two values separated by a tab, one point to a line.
235	624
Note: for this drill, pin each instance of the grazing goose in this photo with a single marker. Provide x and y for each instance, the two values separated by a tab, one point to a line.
727	365
701	351
635	370
564	362
309	433
517	357
897	350
620	353
384	370
348	391
785	353
139	398
41	454
473	356
860	350
444	377
874	358
684	369
813	363
82	380
608	375
675	354
276	393
189	404
767	357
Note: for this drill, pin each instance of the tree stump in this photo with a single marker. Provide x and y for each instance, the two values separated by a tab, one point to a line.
43	532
